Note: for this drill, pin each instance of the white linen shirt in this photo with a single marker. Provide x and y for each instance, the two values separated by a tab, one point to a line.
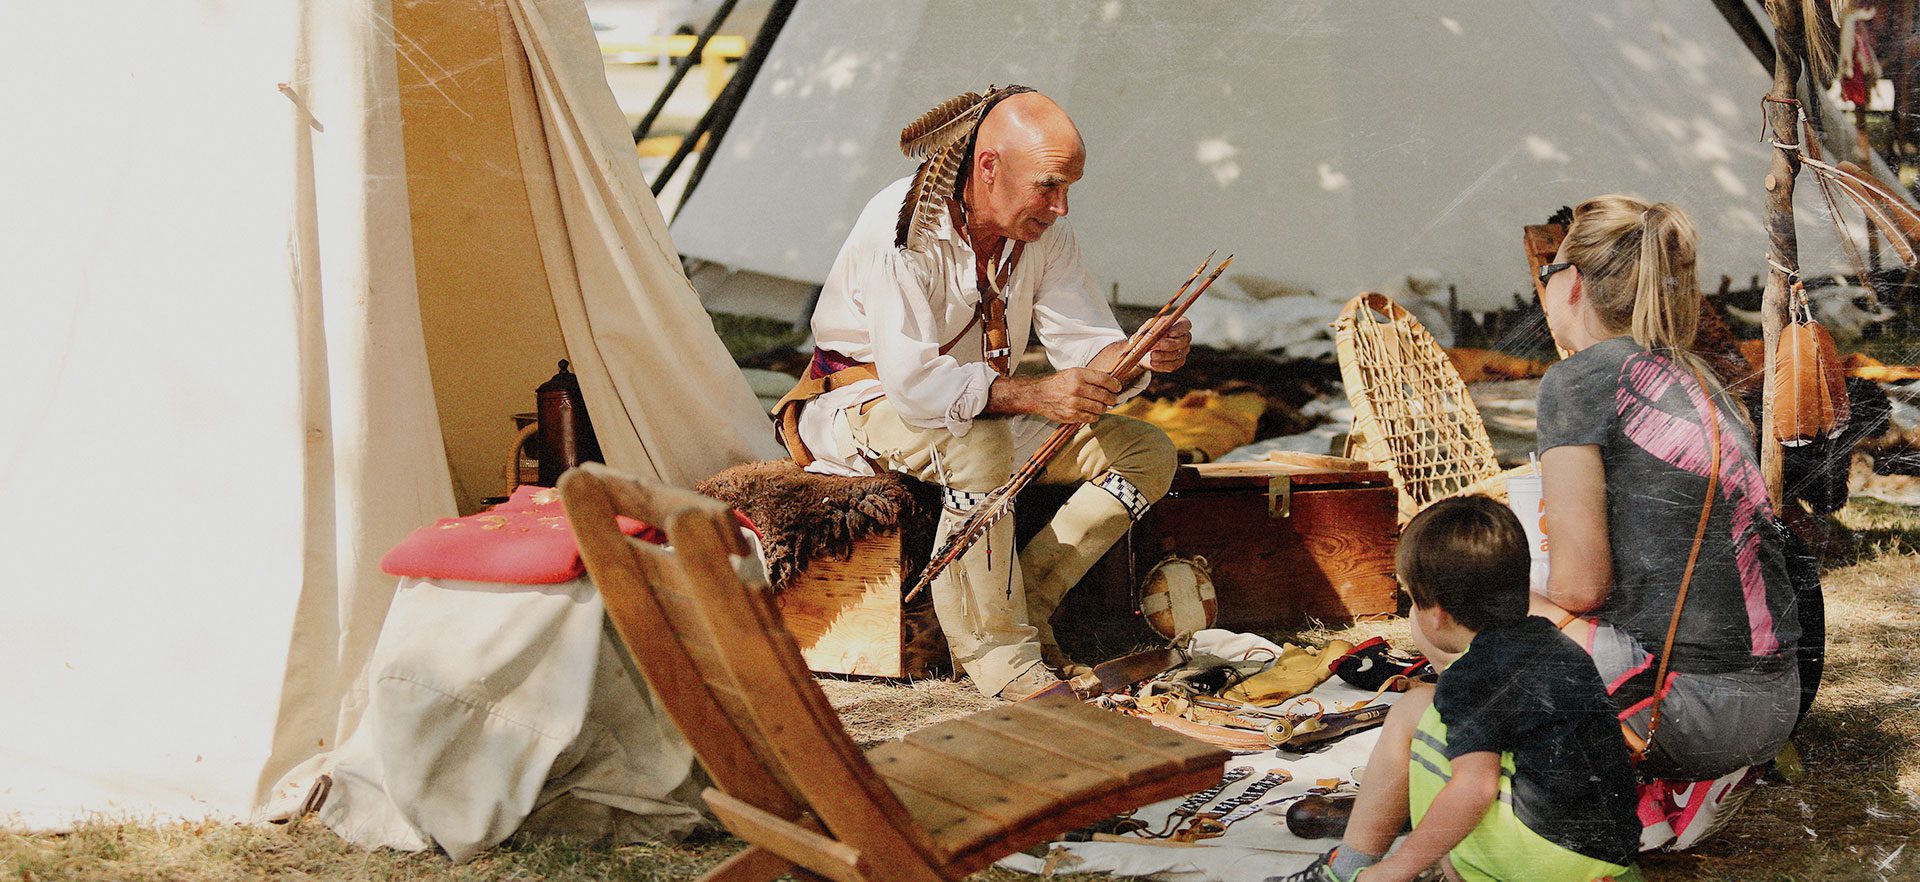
895	308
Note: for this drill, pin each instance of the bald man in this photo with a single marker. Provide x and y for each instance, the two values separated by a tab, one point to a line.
912	372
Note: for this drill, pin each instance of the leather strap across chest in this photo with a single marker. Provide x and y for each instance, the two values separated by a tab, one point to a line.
1686	576
1637	746
990	314
991	311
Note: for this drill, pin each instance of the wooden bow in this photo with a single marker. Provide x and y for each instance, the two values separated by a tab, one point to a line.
1000	501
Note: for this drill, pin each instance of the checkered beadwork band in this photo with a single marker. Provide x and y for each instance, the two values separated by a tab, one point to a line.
1129	495
961	500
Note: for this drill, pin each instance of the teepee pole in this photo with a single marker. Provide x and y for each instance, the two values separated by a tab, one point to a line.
1783	249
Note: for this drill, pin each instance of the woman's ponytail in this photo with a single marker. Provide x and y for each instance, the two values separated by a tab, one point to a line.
1637	269
1666	289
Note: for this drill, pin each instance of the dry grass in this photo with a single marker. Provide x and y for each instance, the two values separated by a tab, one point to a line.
126	852
876	711
1852	815
308	850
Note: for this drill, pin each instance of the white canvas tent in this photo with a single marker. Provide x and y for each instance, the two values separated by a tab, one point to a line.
269	270
1333	146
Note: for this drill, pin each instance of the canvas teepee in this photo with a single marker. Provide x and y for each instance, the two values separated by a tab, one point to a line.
1332	146
268	269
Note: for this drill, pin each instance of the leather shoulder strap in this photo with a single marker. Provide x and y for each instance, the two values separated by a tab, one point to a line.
1693	556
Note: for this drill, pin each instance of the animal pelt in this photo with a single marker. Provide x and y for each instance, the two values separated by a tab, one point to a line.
803	516
1716	345
1819	471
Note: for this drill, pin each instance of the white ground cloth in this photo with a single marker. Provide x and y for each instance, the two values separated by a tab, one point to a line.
489	705
1252	849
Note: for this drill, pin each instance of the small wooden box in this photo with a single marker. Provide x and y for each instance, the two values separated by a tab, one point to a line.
1287	542
848	618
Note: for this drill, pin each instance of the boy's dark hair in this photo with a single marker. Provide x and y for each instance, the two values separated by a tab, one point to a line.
1467	555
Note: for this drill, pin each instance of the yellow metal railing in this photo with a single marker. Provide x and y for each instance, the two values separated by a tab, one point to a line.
720	50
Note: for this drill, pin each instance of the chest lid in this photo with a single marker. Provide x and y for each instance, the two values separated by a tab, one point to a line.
1303	470
1279	477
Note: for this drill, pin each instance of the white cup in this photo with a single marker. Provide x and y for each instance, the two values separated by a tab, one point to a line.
1528	503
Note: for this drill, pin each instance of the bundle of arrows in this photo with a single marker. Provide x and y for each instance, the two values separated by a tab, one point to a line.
1132	363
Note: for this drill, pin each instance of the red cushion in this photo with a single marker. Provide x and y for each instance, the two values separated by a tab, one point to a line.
526	540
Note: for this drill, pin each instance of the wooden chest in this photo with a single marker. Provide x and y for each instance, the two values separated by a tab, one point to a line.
848	617
1287	542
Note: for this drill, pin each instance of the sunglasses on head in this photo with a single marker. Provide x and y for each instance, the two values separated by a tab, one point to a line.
1547	271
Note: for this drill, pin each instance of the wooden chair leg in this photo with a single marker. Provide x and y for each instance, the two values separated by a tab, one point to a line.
755	864
798	840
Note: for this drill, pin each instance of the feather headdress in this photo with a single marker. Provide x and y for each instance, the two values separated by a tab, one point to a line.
942	139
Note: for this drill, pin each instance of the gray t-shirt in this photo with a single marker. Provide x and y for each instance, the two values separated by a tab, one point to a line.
1647	415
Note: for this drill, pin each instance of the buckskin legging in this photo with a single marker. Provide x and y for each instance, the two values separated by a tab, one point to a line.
996	616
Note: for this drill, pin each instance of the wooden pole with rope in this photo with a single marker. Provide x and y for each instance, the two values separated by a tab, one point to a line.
1783	250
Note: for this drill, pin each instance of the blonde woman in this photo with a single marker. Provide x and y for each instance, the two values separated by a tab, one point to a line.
1628	457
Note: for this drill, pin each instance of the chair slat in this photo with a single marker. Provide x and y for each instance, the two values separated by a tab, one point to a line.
981	852
1144	736
1138	761
621	573
729	634
956	827
981	815
1060	772
1002	796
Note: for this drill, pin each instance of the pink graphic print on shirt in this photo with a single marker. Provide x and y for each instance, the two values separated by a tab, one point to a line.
1682	442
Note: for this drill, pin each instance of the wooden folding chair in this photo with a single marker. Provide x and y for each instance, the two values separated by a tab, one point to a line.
944	802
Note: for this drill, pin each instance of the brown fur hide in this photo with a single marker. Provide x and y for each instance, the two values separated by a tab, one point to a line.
803	516
1714	342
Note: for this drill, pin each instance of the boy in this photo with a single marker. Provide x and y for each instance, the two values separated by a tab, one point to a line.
1513	766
